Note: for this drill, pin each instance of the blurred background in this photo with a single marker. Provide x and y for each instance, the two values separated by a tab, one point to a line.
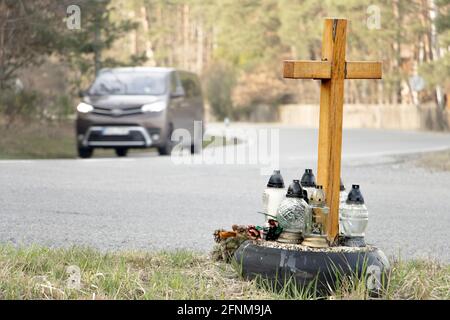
235	46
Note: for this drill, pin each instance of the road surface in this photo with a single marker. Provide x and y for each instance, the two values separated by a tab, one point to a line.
150	202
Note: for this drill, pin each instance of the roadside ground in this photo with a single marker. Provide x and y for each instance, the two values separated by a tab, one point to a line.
44	273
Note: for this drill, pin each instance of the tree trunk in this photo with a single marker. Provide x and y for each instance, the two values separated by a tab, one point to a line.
397	93
149	54
200	40
97	42
435	50
186	50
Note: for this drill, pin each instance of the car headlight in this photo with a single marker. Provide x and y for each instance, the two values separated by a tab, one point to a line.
84	107
154	107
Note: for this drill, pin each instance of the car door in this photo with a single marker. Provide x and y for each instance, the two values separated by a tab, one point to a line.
177	113
187	106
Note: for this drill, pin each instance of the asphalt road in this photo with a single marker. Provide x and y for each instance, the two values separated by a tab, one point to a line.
150	202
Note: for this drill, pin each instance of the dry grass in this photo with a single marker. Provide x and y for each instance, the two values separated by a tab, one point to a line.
42	140
419	280
38	140
409	280
439	161
42	273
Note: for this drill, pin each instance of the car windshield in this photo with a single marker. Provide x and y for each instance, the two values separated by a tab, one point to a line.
129	83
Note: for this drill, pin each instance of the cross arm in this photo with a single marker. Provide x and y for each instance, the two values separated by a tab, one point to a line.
306	69
363	70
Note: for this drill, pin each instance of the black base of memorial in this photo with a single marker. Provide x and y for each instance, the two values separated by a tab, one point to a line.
321	269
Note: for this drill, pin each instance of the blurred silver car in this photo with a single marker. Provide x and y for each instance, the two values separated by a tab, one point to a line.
138	107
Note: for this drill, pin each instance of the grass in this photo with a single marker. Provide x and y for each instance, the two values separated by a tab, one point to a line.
42	273
33	140
421	280
438	161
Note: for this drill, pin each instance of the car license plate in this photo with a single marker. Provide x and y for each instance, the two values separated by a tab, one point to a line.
115	131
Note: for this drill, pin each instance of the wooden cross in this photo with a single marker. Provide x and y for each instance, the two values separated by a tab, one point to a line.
332	71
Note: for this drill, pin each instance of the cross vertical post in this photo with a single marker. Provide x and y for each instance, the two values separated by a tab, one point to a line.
332	70
331	117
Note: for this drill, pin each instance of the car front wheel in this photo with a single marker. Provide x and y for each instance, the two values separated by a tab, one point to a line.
121	152
85	153
166	149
